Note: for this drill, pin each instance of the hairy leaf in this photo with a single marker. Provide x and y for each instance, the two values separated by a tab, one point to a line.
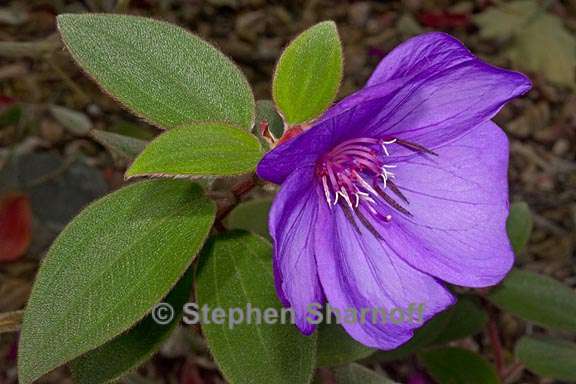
158	70
336	347
538	299
357	374
204	149
548	357
308	74
449	365
251	216
127	351
107	269
236	271
519	225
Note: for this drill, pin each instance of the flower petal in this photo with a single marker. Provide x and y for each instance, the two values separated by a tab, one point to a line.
341	122
434	50
292	219
430	90
459	203
437	107
300	151
357	270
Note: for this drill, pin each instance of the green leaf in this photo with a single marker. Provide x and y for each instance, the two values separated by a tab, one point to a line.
251	216
266	111
519	225
75	122
108	267
136	131
449	365
358	374
538	41
308	74
422	337
467	319
204	149
129	350
236	270
538	299
158	70
336	347
120	145
548	357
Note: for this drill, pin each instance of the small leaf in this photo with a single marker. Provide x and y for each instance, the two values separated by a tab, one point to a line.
251	216
449	365
120	145
548	357
266	111
308	74
336	347
236	271
538	299
205	149
467	319
15	226
158	70
75	122
357	374
136	131
422	337
127	351
519	225
108	267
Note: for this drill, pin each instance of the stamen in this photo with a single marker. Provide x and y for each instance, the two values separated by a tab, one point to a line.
350	217
391	201
352	171
394	188
326	190
368	224
415	147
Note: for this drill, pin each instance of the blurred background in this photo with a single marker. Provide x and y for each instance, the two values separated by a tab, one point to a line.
51	167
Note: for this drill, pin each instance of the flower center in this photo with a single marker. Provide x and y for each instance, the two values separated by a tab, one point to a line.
358	173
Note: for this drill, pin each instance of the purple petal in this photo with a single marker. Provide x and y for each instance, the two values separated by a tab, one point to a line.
359	271
430	90
435	91
292	220
434	50
437	107
459	202
301	151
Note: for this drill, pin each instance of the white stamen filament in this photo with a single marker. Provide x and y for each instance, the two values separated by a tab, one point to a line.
326	191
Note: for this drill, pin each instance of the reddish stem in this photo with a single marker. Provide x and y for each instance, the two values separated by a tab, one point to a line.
238	191
494	336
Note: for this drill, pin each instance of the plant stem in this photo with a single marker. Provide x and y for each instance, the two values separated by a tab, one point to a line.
10	321
238	191
494	336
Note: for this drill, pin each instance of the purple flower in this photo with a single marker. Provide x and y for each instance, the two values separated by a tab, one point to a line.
396	190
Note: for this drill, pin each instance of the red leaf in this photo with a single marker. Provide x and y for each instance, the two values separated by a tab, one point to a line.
15	226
